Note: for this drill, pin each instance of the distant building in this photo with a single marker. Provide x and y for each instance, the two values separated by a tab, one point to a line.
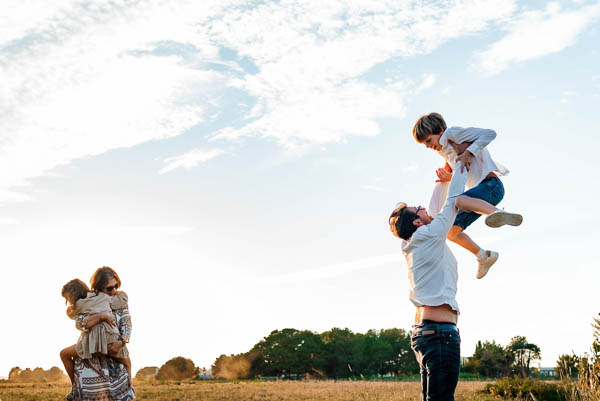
204	374
548	372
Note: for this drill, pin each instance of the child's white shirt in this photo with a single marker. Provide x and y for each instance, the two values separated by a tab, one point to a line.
482	163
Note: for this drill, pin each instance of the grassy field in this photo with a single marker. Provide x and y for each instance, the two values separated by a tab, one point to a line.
251	391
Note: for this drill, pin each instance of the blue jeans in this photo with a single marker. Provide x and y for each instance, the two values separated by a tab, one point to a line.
437	349
490	190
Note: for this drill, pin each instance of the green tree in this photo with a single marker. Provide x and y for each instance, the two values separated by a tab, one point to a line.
523	353
339	352
377	354
402	361
567	366
488	360
286	352
177	368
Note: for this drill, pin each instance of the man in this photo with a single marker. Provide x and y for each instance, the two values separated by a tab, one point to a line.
433	275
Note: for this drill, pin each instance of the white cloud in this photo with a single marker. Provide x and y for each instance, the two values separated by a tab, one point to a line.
428	81
535	34
190	159
376	188
310	56
84	78
6	221
326	272
81	78
567	95
157	230
411	168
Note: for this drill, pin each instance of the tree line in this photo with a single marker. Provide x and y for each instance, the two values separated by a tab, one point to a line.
341	354
337	353
37	375
492	360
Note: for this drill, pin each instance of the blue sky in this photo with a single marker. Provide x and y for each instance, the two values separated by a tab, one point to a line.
236	162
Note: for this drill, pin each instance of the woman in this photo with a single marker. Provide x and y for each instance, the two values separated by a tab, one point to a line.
103	378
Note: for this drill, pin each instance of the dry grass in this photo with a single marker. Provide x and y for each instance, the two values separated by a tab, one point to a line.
256	391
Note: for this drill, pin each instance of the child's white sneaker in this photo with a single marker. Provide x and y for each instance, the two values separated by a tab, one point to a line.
485	263
501	217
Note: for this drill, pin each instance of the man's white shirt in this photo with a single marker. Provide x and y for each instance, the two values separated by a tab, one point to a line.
432	268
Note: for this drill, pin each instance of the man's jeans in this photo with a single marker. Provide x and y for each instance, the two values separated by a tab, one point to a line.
437	349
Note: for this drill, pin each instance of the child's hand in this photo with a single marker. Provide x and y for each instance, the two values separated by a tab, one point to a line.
109	318
465	157
443	175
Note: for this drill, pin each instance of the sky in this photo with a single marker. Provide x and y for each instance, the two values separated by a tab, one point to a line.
236	162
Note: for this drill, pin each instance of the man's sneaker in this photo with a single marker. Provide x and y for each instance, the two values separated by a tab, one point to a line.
501	217
486	263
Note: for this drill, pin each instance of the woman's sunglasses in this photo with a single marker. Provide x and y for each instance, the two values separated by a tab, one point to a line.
112	287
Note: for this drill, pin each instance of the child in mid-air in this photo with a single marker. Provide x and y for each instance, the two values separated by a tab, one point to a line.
468	145
97	338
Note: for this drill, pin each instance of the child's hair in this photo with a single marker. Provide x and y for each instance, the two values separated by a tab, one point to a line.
428	124
101	277
74	290
401	222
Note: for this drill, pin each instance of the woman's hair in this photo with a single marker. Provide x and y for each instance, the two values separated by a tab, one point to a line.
401	222
101	277
428	124
74	290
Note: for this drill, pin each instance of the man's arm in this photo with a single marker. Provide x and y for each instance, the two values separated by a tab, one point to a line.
479	137
441	224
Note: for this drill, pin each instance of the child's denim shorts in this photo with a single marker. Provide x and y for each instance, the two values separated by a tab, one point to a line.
490	190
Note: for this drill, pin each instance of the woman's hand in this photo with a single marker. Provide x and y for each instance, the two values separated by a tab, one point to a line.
114	348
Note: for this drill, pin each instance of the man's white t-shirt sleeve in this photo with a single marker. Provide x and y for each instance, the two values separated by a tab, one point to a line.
442	223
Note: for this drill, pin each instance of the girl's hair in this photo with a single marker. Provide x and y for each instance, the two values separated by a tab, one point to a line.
428	124
101	276
401	222
74	290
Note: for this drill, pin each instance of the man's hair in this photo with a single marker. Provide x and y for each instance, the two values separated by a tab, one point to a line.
101	276
401	222
428	124
74	290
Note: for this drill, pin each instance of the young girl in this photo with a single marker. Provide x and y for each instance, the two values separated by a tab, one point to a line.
97	338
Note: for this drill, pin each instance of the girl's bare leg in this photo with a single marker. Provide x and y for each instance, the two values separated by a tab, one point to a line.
67	355
127	363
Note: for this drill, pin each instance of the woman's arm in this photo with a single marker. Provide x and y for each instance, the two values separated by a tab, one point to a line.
124	323
124	329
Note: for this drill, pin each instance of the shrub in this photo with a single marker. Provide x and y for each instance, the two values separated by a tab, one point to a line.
528	389
178	368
